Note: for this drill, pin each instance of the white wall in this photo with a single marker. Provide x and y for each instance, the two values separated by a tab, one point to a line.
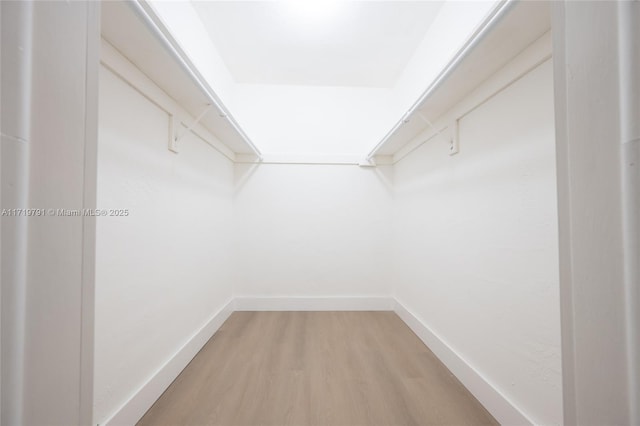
163	271
476	244
58	340
312	230
49	141
312	119
16	31
598	148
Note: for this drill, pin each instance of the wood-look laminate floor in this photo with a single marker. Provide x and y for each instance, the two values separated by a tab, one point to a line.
316	368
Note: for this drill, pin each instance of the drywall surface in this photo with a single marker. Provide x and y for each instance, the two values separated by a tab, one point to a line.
313	120
16	30
312	230
598	146
476	244
183	22
163	269
60	152
455	23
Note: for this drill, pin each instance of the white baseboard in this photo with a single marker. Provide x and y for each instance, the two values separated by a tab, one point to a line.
133	410
493	400
380	303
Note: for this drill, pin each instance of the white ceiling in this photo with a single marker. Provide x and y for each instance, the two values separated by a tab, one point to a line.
325	43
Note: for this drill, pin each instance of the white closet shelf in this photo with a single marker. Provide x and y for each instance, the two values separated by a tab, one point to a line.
512	28
134	30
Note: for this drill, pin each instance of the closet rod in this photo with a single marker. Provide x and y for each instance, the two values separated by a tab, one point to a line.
153	23
498	12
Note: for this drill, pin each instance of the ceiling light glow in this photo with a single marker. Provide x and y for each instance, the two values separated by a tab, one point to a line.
313	10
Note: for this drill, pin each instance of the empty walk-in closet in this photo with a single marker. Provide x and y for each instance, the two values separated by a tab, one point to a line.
319	212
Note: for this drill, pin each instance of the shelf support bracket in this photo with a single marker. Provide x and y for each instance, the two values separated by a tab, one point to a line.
174	125
454	147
